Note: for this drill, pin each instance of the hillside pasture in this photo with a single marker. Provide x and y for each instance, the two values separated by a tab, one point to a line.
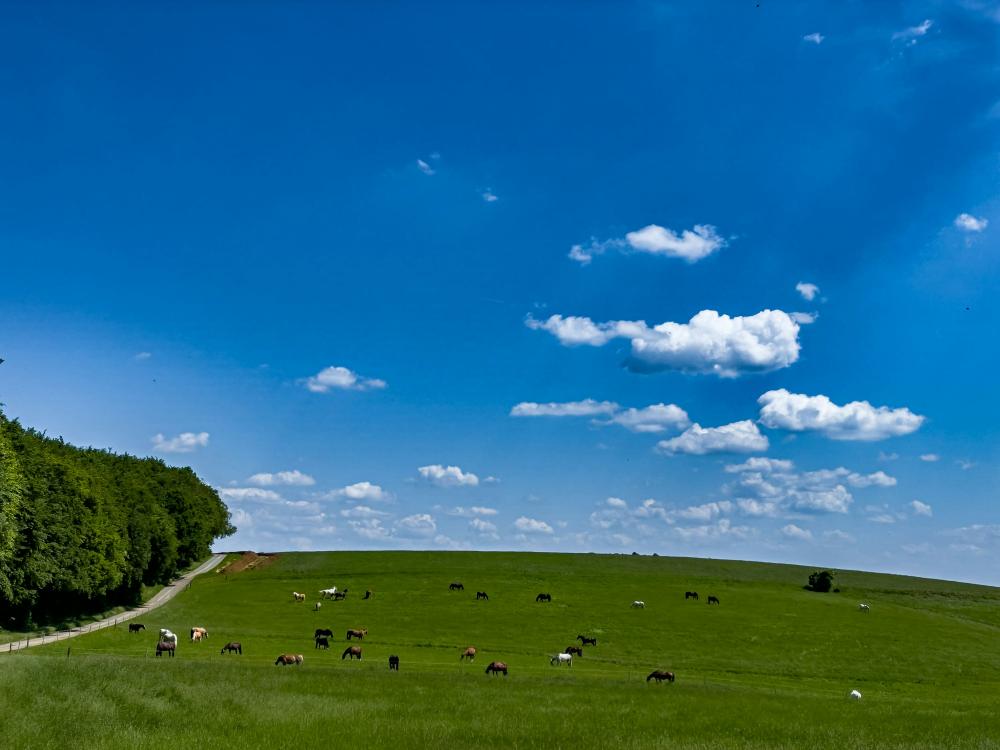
771	666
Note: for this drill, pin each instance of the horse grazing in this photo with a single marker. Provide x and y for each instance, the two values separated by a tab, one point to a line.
660	676
856	695
690	595
323	632
328	593
585	641
198	633
168	636
135	627
168	646
359	634
298	597
469	653
337	596
566	659
393	663
543	598
713	599
368	594
316	607
456	586
638	604
496	667
322	642
864	608
352	651
232	646
482	595
573	650
289	659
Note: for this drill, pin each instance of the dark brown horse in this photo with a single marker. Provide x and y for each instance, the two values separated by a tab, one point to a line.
482	595
660	675
359	634
166	646
289	659
352	651
573	650
326	632
496	667
368	594
322	642
338	595
135	627
232	646
456	586
543	598
690	595
394	663
469	653
713	599
585	641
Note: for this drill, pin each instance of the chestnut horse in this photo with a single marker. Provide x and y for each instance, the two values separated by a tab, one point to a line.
289	659
660	675
496	667
359	634
469	653
352	651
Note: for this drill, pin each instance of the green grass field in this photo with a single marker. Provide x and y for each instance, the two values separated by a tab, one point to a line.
770	667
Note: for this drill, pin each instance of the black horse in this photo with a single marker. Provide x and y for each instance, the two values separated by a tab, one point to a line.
482	595
322	642
338	595
690	595
543	598
456	586
660	676
135	627
368	594
325	632
573	650
394	663
713	599
232	647
585	641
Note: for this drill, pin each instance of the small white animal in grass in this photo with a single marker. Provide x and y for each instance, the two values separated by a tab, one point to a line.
638	604
864	608
856	695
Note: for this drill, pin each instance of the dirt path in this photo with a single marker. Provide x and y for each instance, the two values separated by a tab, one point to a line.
165	594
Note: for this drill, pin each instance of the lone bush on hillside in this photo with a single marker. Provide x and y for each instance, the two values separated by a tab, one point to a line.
821	581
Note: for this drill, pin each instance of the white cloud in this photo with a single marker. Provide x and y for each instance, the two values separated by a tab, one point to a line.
738	437
815	38
712	532
419	524
794	532
691	245
913	33
142	356
764	465
293	477
807	290
448	476
709	343
804	318
838	536
484	528
930	458
652	418
363	491
586	408
977	535
249	494
835	500
705	512
425	167
186	442
363	511
343	379
489	196
858	420
882	456
583	254
882	518
969	223
370	528
532	526
921	509
964	464
475	510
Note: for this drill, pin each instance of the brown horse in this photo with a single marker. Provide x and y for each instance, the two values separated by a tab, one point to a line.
660	675
359	634
469	653
289	659
232	646
166	646
496	667
322	642
135	627
352	651
573	650
323	632
585	641
394	663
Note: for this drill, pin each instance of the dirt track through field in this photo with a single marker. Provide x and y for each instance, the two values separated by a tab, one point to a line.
167	593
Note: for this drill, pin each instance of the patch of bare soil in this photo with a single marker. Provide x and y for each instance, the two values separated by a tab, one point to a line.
249	561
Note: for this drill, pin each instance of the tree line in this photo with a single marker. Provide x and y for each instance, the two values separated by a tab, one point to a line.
81	529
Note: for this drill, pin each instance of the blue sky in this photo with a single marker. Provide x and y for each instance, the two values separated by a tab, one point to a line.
412	277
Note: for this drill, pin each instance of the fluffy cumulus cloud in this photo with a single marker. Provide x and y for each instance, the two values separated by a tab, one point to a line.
690	245
652	418
475	510
710	343
419	524
448	476
970	223
482	528
807	290
791	531
363	491
363	511
738	437
921	509
532	526
293	478
341	378
186	442
857	420
930	458
249	494
586	408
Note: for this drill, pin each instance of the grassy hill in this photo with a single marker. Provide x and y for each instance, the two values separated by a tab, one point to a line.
771	666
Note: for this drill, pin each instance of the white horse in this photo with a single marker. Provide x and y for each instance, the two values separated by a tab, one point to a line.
168	636
299	597
328	593
856	695
316	607
864	608
198	633
638	604
566	659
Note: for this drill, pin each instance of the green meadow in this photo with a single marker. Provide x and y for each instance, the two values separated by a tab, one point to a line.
770	667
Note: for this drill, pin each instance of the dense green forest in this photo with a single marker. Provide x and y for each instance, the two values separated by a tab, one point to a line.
81	530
